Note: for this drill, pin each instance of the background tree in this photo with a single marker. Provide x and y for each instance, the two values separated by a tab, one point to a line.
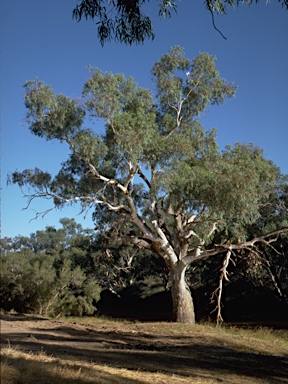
155	178
125	20
269	266
50	272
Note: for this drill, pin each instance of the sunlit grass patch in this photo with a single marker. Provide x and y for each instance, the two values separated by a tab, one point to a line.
257	339
20	367
94	320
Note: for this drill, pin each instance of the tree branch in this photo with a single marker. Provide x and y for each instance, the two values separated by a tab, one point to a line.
143	177
218	291
213	21
273	276
220	248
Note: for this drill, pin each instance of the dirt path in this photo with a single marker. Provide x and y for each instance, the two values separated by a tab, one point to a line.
128	344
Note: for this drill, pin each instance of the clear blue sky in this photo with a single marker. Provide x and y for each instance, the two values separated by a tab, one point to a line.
39	38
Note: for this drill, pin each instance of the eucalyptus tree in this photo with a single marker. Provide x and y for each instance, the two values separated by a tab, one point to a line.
155	177
50	272
126	21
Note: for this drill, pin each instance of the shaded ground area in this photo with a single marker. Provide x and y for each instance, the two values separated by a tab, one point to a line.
148	347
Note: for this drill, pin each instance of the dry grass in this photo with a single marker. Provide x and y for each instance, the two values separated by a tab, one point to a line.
34	369
85	351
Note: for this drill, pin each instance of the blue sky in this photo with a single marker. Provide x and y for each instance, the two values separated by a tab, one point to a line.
39	38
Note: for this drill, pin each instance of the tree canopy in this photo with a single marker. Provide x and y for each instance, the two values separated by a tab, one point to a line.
155	178
50	272
125	20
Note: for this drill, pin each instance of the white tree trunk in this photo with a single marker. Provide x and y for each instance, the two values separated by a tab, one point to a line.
183	308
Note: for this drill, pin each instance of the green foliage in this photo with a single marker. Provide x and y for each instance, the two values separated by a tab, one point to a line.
160	142
119	20
26	281
221	6
125	21
54	117
201	86
76	295
49	273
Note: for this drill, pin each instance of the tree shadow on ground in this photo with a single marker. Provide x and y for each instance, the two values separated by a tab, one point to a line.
50	372
137	350
21	317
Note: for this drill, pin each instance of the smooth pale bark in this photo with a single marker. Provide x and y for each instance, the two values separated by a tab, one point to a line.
183	307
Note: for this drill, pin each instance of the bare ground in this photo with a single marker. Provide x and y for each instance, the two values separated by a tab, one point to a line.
183	352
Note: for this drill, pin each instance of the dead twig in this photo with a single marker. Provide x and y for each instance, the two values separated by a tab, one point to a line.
219	290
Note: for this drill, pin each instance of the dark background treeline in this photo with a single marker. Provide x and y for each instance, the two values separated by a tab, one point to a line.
69	272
